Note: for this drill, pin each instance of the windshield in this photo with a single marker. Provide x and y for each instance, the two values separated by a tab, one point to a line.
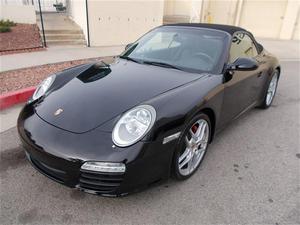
190	49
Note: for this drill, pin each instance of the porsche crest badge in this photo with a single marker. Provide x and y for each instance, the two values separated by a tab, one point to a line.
57	112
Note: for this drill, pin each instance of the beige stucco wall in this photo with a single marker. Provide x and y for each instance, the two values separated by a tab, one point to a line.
221	12
177	7
265	18
77	11
189	10
119	22
18	13
122	22
290	23
296	31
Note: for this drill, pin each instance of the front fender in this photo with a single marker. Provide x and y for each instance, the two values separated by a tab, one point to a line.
176	107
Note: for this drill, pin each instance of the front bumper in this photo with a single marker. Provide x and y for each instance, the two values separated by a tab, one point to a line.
59	155
106	184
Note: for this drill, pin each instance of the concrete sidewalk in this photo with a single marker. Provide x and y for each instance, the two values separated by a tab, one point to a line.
54	55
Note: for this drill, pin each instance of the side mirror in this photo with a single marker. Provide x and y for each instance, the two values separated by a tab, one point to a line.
243	64
128	46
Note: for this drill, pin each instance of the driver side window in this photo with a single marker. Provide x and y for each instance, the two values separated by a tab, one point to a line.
242	46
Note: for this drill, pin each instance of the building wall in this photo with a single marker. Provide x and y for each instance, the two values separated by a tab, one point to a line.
296	32
175	7
18	13
118	22
122	22
265	18
221	12
77	11
185	11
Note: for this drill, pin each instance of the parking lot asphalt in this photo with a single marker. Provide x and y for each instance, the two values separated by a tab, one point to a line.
249	176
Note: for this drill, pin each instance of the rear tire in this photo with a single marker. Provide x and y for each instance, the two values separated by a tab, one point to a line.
192	147
271	91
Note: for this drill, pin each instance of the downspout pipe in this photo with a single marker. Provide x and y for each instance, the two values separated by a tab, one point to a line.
87	23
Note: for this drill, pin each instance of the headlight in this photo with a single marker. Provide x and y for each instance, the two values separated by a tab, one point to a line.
133	125
43	87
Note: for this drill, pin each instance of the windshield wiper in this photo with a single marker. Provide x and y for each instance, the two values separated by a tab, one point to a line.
154	63
163	64
129	58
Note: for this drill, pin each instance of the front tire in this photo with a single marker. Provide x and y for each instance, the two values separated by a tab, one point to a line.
271	91
192	147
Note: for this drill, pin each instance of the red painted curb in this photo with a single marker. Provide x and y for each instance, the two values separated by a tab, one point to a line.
15	97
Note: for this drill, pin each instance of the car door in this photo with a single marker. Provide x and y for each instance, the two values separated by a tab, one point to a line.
241	88
264	73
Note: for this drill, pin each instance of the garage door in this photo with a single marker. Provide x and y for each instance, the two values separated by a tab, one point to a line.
263	18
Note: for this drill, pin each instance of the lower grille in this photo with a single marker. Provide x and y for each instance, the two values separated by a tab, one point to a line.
53	173
100	182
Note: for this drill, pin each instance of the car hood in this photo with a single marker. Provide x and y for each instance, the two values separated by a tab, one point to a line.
96	94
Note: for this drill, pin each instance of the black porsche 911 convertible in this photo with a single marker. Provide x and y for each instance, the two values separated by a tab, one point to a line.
115	127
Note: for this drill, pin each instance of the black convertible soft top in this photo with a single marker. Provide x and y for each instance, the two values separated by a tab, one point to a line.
227	28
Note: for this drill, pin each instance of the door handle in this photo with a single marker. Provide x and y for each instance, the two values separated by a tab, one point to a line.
259	74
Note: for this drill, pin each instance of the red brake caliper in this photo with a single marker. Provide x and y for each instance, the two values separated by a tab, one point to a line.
194	128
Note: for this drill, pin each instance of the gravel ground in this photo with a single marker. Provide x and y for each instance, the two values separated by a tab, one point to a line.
22	78
22	37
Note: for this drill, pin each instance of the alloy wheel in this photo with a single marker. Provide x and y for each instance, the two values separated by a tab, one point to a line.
196	141
272	89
